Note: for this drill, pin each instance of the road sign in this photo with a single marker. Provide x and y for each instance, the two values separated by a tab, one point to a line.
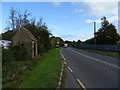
58	42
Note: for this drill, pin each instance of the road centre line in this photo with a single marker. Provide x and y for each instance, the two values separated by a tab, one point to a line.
112	65
80	83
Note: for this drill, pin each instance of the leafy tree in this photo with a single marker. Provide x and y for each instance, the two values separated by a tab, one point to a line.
38	28
107	34
90	41
54	40
78	41
8	35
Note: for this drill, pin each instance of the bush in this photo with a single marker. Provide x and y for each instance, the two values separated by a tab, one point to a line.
20	51
7	56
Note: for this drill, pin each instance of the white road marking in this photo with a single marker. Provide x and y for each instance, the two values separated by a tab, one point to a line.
112	65
80	83
70	69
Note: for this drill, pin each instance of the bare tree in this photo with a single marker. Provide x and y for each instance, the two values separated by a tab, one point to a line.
12	18
18	19
33	21
25	17
40	22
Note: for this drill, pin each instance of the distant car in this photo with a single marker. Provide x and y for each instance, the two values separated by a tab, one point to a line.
65	45
57	45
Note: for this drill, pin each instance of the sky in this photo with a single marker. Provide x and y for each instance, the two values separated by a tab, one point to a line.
68	20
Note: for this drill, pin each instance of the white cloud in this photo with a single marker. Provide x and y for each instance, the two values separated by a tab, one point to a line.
97	7
110	19
113	18
58	0
3	31
77	36
100	0
56	4
78	10
91	21
102	8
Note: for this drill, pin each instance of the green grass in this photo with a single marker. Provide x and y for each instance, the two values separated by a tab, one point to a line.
46	73
103	52
20	69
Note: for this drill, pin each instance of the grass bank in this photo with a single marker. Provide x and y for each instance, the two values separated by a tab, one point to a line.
46	73
115	54
14	72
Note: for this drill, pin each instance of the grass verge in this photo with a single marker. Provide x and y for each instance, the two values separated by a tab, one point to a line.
15	72
115	54
46	73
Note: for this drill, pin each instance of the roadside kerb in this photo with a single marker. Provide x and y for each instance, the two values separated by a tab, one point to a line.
61	74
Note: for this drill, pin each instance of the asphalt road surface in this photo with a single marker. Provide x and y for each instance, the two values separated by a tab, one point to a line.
90	70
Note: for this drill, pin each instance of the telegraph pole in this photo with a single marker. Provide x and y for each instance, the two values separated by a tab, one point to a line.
95	34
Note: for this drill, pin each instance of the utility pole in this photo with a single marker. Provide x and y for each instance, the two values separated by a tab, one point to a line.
95	34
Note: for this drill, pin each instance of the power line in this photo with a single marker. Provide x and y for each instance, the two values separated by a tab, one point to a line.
75	29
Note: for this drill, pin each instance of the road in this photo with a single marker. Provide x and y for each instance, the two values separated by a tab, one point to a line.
90	70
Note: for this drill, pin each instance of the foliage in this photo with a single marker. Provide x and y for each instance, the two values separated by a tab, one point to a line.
20	51
107	34
56	40
8	35
7	56
38	28
68	42
19	72
78	41
16	70
90	41
42	35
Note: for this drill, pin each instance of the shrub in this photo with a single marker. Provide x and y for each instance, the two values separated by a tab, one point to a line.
7	56
20	51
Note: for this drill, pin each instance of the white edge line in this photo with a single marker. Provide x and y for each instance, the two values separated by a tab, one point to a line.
112	65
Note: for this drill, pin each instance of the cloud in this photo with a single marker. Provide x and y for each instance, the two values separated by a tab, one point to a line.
113	18
100	0
97	7
78	10
77	36
56	4
3	31
91	21
110	19
102	8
